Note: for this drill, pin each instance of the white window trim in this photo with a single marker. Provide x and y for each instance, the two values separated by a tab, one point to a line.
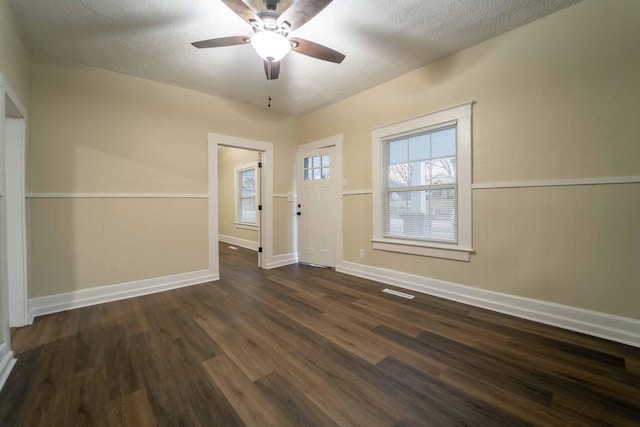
460	251
246	226
236	194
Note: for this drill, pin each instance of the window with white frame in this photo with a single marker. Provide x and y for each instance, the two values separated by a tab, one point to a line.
316	167
246	194
422	185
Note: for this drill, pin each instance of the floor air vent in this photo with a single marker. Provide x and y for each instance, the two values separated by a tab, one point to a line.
398	294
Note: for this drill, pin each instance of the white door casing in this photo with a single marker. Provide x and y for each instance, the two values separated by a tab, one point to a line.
13	234
14	195
259	203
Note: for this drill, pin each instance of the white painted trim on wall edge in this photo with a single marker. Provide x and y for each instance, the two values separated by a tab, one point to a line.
607	326
6	363
602	180
356	192
282	260
103	294
15	216
244	243
117	196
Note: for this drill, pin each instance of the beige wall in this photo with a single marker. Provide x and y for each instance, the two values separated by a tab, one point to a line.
555	99
98	131
95	131
284	218
90	242
228	159
14	57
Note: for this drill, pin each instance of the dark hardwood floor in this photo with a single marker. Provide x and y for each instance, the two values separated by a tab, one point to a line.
303	346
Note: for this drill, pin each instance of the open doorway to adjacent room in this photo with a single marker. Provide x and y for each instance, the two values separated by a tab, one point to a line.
262	153
240	199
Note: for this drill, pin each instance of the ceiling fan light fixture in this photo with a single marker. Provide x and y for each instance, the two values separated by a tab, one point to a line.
271	46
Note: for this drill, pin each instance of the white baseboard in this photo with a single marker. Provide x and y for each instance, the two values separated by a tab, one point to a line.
86	297
614	328
282	260
249	244
6	363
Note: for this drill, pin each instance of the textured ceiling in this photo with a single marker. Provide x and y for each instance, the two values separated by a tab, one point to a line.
381	39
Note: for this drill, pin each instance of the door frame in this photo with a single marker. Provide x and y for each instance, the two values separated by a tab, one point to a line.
266	217
13	116
331	141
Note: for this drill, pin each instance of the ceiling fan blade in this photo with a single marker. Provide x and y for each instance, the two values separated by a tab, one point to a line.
243	11
315	50
222	41
301	12
272	69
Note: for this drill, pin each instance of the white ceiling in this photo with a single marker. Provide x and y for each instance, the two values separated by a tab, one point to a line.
381	39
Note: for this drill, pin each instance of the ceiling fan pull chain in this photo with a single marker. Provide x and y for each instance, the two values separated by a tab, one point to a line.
269	88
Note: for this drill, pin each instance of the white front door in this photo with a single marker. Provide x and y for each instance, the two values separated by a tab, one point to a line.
316	207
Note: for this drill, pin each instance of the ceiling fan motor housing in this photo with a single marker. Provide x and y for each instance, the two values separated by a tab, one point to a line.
269	19
271	4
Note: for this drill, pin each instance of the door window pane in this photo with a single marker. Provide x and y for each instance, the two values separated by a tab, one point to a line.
316	167
308	175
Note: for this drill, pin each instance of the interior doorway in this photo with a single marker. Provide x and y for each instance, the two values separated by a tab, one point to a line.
240	198
265	191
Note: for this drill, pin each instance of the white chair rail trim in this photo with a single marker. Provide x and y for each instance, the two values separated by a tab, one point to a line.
117	195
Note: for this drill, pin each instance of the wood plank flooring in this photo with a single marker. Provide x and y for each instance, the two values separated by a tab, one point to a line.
303	346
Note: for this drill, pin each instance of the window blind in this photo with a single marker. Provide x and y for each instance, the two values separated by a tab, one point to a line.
247	196
420	185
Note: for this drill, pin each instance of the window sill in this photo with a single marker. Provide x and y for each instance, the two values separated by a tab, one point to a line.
246	226
423	249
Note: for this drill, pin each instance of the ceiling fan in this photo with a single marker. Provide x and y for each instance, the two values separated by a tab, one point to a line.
271	33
